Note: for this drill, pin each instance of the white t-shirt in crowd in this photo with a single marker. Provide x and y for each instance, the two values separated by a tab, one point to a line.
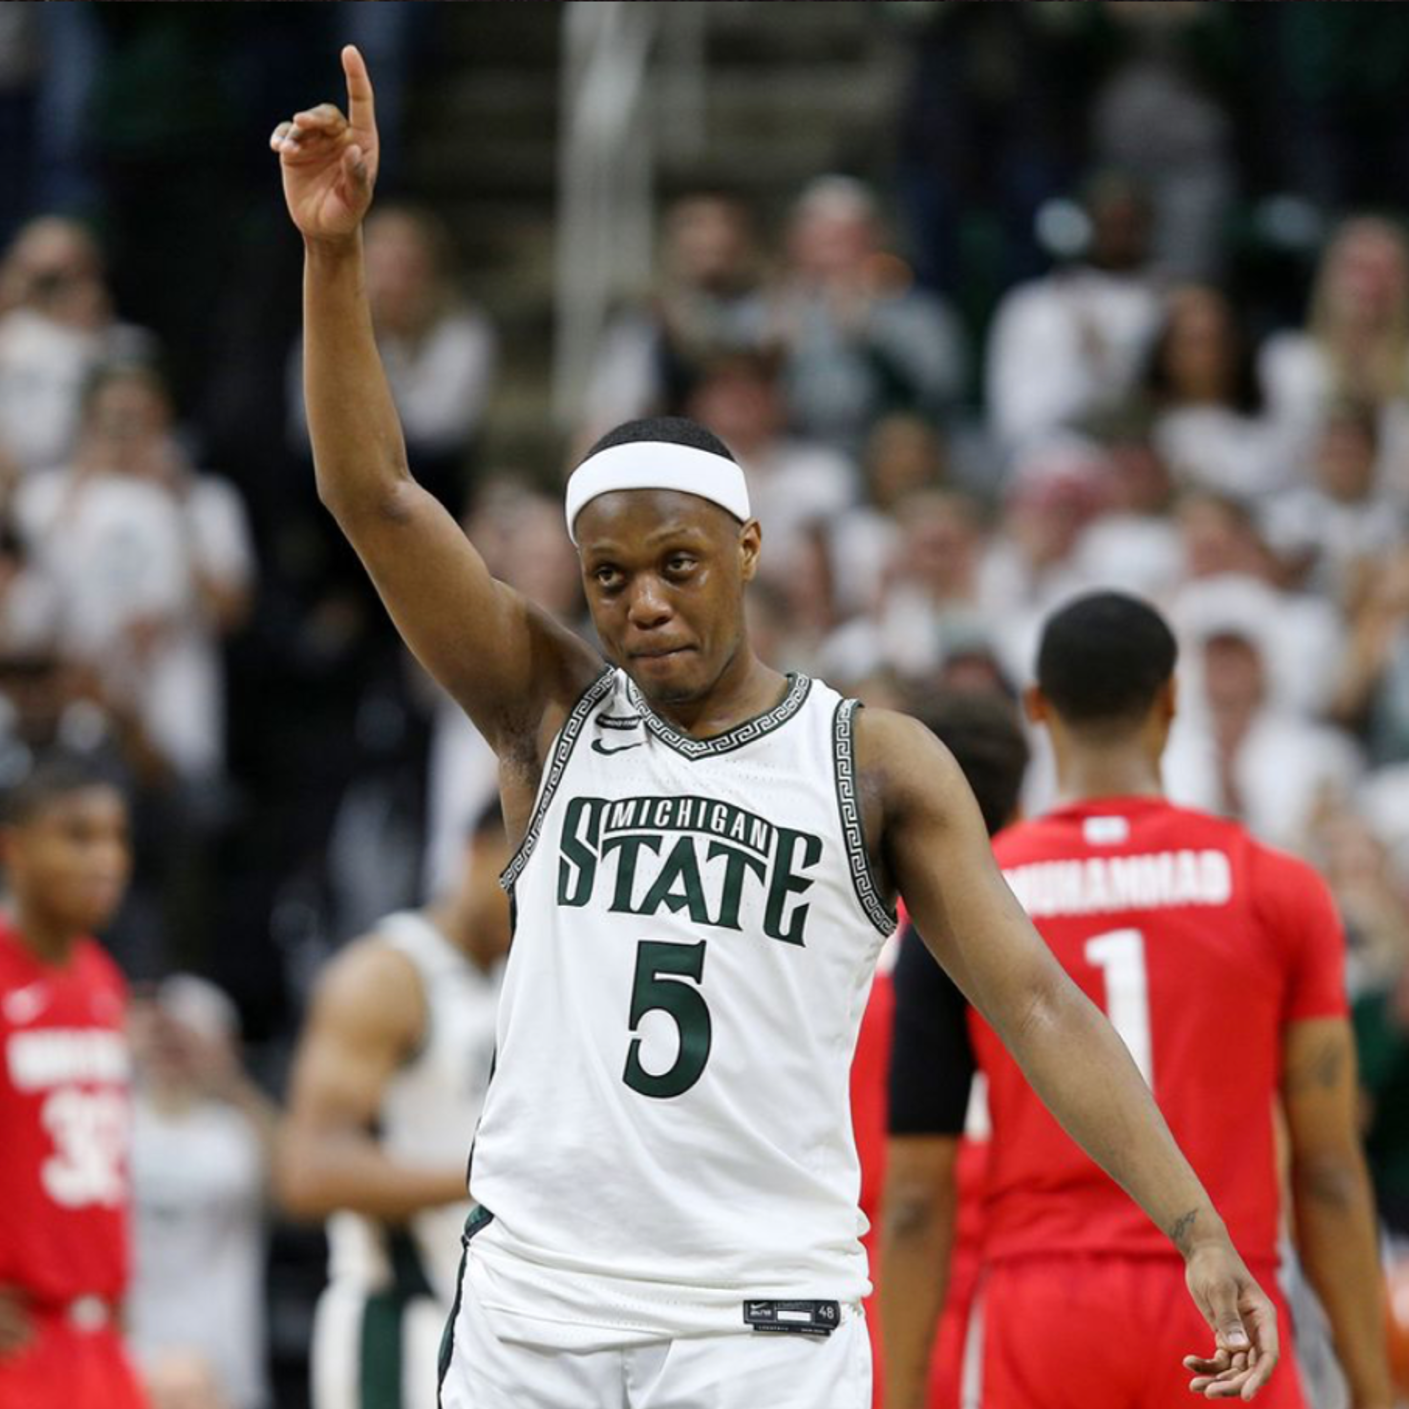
440	382
198	1181
44	366
122	551
1063	346
1218	448
1285	767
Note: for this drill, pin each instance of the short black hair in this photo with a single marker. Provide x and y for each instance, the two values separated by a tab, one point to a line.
53	774
671	430
982	730
1104	658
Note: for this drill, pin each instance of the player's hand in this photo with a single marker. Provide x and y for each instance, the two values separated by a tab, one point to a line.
1244	1323
16	1326
328	161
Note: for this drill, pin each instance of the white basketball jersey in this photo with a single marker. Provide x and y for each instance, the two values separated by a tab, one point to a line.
668	1130
428	1112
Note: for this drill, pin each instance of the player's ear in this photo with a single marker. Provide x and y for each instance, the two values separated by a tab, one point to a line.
750	545
1035	704
1169	700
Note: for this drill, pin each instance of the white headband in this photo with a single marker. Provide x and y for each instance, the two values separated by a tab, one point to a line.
657	464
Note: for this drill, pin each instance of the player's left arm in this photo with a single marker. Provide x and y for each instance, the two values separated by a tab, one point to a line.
1334	1206
1331	1195
934	846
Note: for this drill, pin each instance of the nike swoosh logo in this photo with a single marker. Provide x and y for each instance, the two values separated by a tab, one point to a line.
23	1005
597	744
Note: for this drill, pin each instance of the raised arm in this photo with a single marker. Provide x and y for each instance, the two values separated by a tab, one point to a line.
933	840
367	1017
506	662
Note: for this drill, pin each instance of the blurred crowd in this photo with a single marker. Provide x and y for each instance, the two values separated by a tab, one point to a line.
1133	403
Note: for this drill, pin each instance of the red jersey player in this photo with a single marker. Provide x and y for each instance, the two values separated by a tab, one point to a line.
63	1096
933	1161
1220	962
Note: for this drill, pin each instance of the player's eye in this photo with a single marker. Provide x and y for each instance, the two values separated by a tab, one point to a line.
679	563
607	577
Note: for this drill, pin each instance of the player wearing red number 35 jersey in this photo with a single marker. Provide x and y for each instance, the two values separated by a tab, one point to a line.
63	1098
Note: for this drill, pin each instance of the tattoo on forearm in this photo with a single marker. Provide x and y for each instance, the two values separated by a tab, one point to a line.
1182	1228
1323	1069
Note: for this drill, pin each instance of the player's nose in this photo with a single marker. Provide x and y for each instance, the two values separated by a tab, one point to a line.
649	604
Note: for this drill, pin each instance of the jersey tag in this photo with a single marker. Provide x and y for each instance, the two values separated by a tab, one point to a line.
798	1318
1105	831
618	721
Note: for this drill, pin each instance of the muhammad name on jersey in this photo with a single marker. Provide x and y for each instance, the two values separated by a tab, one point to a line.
708	859
1150	881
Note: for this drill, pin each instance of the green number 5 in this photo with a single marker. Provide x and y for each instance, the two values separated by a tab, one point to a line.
663	980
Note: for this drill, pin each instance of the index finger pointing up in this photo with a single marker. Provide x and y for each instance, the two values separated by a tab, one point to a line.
360	110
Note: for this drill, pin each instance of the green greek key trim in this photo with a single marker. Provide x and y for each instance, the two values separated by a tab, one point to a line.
852	823
562	751
755	728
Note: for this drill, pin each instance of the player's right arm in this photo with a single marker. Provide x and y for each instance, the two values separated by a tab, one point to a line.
505	661
367	1017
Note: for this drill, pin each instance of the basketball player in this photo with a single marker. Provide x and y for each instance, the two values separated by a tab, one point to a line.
929	1219
388	1082
1221	963
64	1096
664	1169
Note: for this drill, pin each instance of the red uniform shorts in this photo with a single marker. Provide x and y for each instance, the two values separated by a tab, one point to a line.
1075	1331
69	1366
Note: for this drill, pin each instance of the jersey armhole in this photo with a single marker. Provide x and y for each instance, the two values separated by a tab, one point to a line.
853	827
573	725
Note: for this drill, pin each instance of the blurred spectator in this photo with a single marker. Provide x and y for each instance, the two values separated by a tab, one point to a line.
930	604
1371	691
439	351
202	1140
1032	561
523	540
706	301
57	329
903	455
1356	342
860	340
793	483
1073	342
1370	897
1156	118
1202	380
1134	545
1331	533
1238	751
152	564
1227	562
29	606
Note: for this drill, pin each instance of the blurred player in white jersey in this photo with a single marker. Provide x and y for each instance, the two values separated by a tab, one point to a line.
388	1082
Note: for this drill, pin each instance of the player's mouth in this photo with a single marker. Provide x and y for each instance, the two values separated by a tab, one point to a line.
659	655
